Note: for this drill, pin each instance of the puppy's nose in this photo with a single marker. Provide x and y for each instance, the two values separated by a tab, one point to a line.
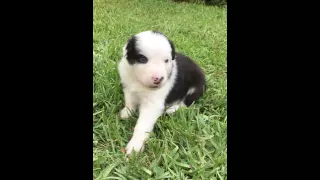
156	80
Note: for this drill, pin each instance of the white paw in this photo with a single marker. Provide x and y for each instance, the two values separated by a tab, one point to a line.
172	109
125	113
136	145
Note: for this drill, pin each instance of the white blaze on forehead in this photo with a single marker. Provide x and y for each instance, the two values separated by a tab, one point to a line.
153	44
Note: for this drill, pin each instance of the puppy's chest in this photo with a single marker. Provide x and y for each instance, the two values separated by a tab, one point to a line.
141	93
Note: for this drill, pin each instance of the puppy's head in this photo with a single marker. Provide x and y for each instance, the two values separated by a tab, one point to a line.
150	55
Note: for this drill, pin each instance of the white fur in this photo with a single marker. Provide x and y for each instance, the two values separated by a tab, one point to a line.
137	80
173	108
191	90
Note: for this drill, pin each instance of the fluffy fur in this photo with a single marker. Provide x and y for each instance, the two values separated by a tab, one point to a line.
155	79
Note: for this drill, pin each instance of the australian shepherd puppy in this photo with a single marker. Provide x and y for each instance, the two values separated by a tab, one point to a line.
155	79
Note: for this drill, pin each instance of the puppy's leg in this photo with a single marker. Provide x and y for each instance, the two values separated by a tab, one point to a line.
172	109
130	105
193	95
147	118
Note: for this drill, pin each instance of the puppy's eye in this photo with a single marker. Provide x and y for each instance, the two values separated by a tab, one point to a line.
142	59
166	60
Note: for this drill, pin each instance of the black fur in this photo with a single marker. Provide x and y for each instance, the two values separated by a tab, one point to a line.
173	50
189	75
132	51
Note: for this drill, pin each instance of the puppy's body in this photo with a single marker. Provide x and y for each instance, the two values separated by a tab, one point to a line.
189	83
154	77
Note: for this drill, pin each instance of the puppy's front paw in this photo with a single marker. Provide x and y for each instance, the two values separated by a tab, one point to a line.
125	113
136	145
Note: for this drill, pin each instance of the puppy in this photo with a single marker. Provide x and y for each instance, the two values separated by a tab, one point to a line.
155	79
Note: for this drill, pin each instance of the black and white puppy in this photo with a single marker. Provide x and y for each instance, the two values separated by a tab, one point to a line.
155	79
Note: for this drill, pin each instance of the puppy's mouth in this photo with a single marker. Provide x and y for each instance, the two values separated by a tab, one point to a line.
155	86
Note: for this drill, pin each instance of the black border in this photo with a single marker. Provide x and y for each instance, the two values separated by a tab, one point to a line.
47	98
271	90
47	90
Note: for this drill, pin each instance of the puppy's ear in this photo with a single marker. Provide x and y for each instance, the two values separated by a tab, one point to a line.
131	44
131	50
173	51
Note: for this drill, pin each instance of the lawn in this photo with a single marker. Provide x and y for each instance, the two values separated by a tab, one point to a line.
190	144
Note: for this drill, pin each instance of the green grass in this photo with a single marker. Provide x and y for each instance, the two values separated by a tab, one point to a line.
190	144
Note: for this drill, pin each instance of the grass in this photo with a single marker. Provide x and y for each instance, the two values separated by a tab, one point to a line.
190	144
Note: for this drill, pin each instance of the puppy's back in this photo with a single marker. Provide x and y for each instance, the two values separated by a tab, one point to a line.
190	81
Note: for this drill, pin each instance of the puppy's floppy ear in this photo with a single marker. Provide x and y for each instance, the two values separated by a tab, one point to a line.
131	44
131	50
173	51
